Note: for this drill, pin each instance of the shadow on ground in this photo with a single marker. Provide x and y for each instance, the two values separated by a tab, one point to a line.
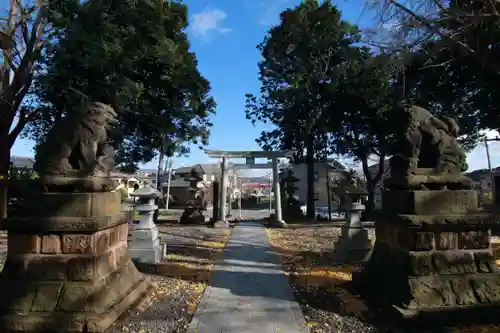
324	289
191	251
321	286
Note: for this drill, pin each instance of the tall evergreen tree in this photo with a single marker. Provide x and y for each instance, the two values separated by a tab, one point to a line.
301	59
133	55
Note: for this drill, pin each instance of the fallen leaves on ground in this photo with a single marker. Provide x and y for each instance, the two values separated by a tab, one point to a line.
178	283
214	245
321	285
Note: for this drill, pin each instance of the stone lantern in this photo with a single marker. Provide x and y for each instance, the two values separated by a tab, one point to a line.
144	241
292	206
353	244
193	214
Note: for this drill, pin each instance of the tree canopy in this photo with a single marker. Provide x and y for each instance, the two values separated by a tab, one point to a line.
301	60
452	56
322	90
359	113
133	55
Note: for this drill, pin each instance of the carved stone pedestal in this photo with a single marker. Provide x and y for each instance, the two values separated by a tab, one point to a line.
68	268
433	258
145	246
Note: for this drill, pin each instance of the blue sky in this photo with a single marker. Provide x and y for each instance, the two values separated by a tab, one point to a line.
224	34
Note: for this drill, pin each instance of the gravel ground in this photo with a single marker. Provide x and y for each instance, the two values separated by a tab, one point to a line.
307	252
179	282
319	283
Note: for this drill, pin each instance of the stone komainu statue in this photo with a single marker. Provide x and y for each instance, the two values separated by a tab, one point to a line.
426	142
77	146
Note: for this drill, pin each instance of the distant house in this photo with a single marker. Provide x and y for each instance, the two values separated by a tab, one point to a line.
322	172
209	172
179	186
379	187
20	162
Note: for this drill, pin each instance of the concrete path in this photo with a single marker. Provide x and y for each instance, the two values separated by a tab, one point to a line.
249	292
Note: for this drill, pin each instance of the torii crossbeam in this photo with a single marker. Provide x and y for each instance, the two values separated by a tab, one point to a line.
250	156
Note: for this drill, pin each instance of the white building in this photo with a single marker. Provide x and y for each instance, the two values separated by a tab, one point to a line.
379	187
322	172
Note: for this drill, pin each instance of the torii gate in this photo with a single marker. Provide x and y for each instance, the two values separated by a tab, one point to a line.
250	157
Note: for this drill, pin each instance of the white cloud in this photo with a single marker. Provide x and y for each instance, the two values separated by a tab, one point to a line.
208	21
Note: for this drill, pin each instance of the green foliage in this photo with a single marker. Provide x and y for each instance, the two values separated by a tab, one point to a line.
133	55
359	110
22	182
443	81
455	70
301	56
299	70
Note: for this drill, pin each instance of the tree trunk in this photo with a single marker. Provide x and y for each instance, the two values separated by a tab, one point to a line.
159	177
371	182
4	169
370	204
310	177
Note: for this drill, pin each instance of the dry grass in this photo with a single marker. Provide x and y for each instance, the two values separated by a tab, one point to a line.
320	287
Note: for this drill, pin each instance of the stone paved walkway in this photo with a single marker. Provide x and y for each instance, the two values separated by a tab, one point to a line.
249	292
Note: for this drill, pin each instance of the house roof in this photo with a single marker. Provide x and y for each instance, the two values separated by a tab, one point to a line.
179	183
254	179
387	169
22	162
204	169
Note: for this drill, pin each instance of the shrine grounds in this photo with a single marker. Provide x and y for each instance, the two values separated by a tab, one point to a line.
320	284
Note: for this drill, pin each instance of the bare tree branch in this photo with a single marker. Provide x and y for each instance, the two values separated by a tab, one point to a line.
431	23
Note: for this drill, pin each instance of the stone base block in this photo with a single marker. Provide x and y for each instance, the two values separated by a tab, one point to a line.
419	283
70	306
145	247
423	178
149	256
67	292
78	204
222	224
430	202
438	233
69	272
77	182
153	254
432	267
353	246
277	224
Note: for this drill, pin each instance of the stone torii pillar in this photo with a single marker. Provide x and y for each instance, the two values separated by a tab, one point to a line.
223	194
277	195
250	157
